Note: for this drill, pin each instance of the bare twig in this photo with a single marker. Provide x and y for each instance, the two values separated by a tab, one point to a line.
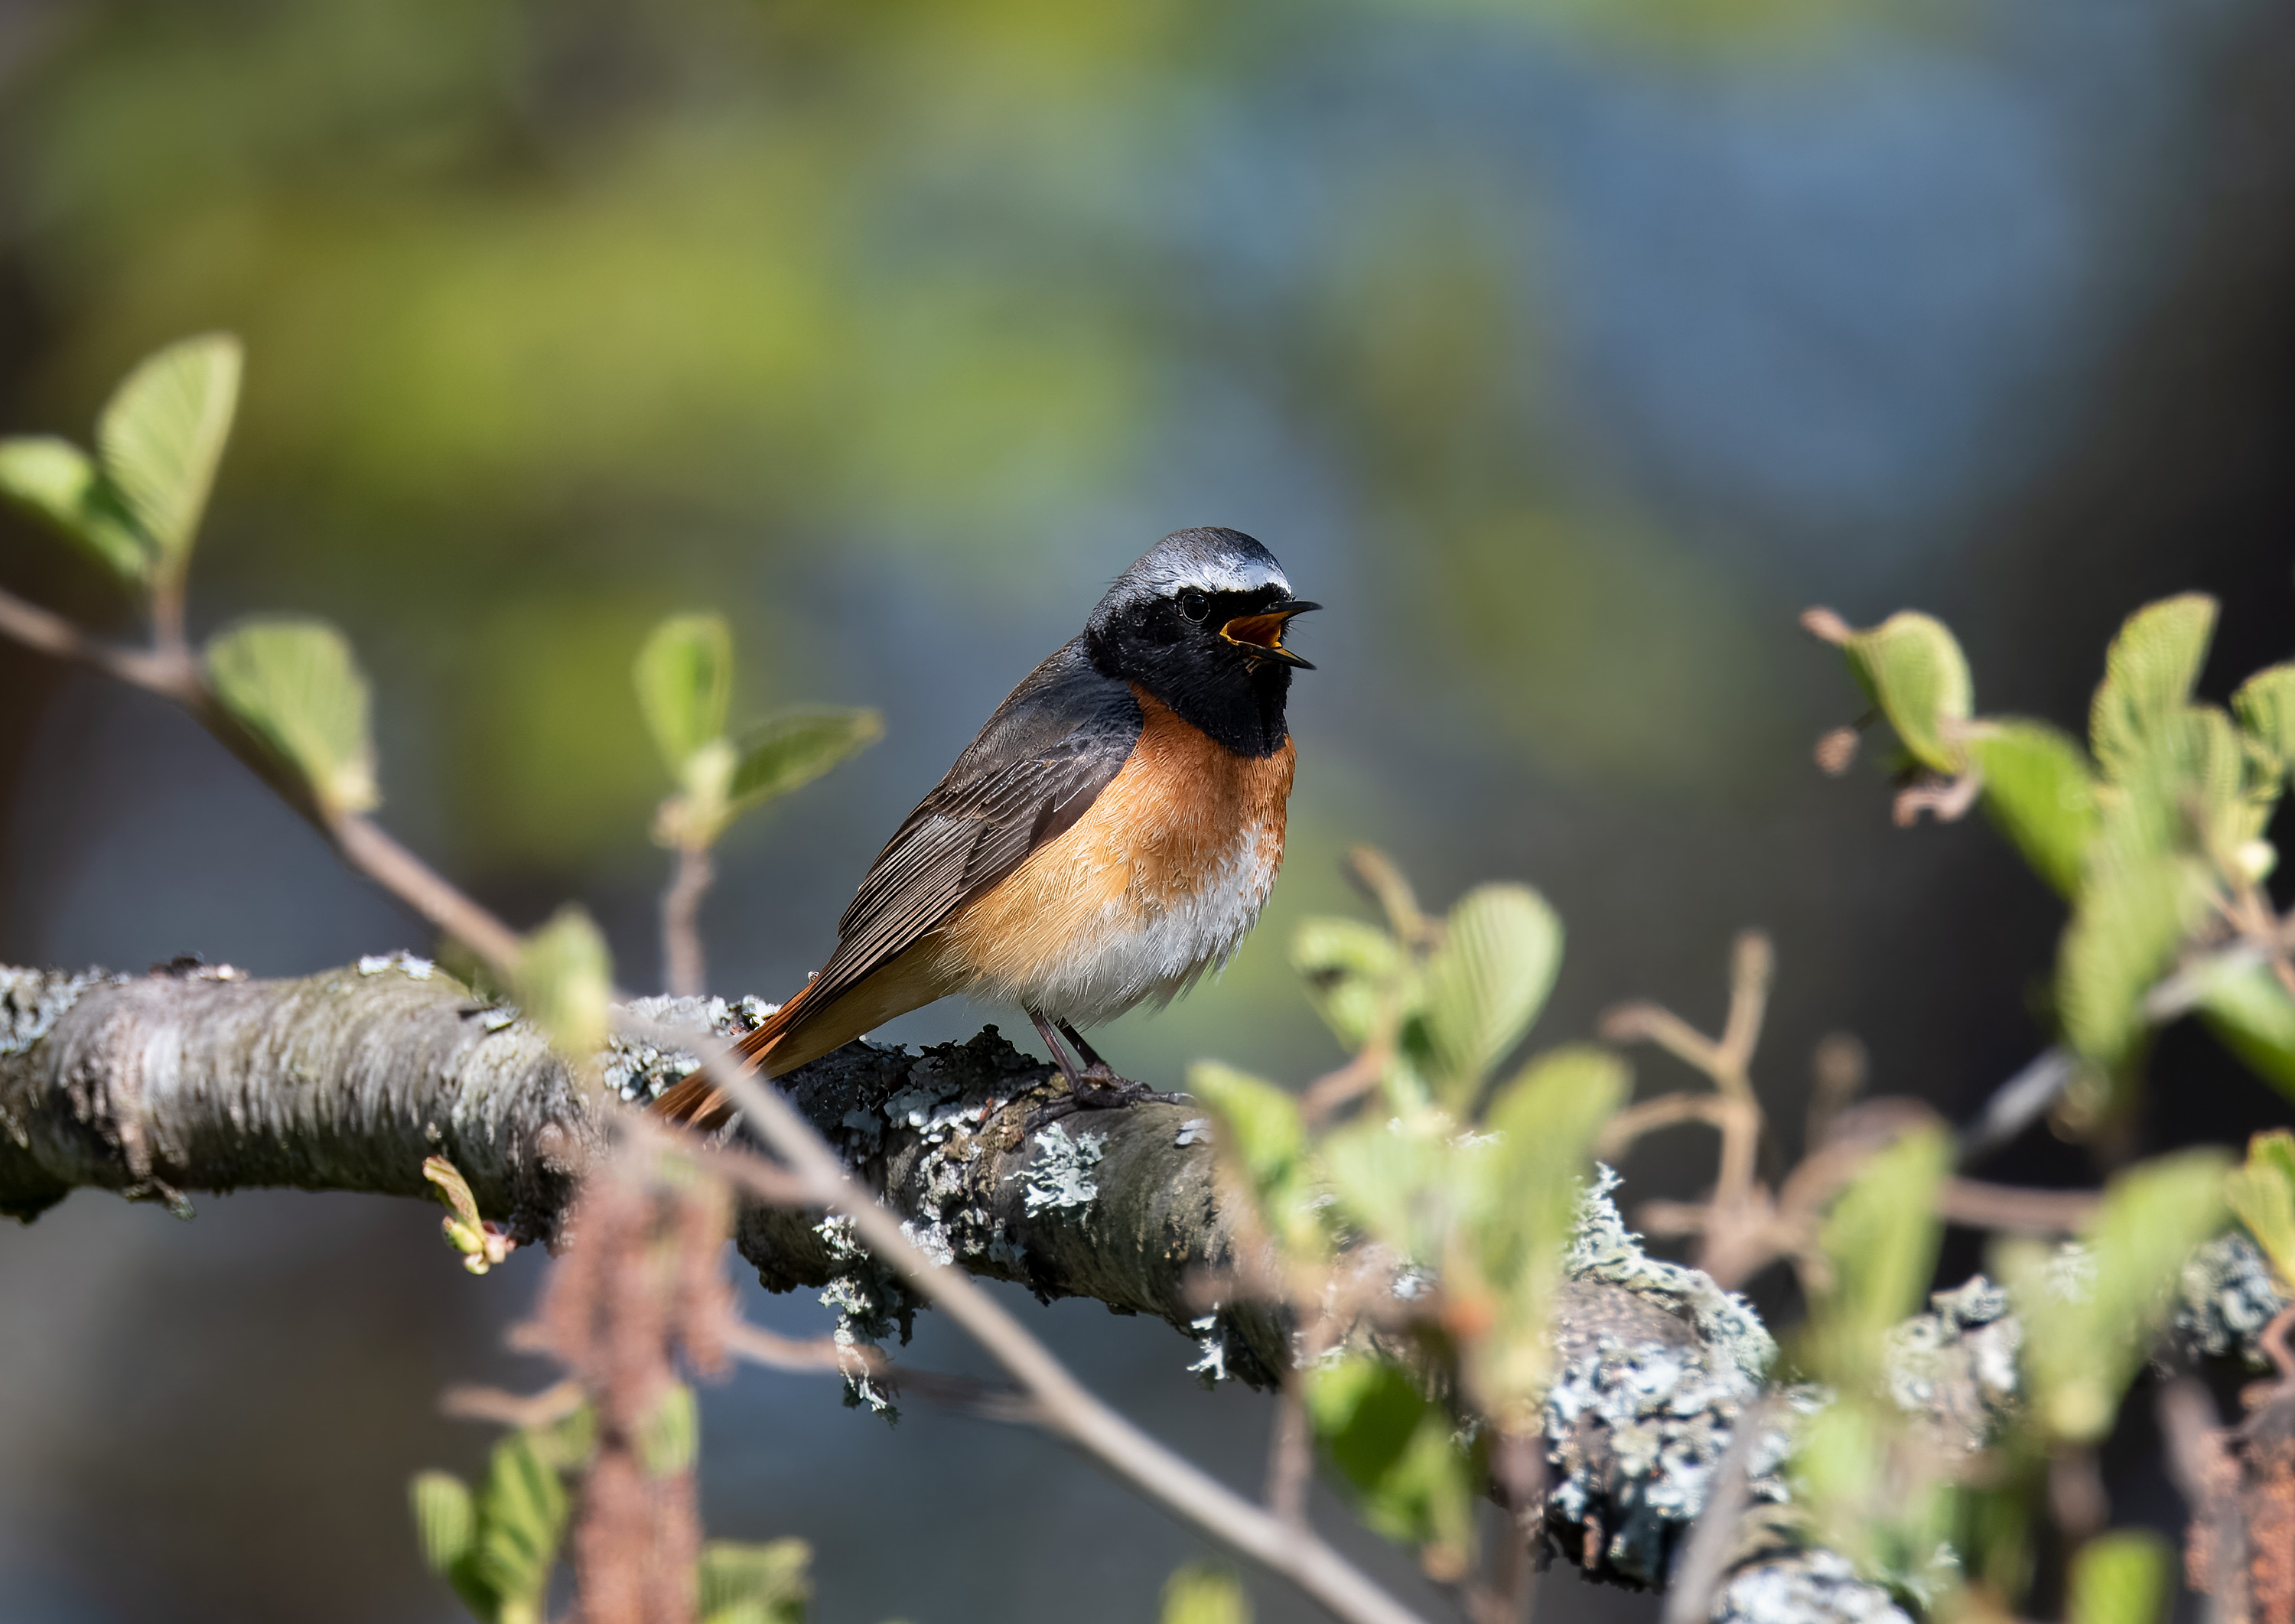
1705	1554
1621	1131
492	1404
683	967
2000	1206
1069	1409
2207	1477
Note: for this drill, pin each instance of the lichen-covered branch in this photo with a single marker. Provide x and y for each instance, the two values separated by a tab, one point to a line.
198	1079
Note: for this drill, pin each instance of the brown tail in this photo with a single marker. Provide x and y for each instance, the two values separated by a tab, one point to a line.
694	1102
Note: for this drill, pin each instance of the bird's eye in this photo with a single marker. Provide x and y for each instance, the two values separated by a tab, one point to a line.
1194	605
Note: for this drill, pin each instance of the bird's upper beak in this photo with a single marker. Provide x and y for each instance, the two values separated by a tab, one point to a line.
1260	635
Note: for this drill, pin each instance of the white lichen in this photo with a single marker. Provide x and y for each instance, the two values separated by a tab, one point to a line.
1060	1176
1811	1587
1602	1249
1210	1367
414	966
2226	1295
639	1071
1195	1131
32	1001
1956	1364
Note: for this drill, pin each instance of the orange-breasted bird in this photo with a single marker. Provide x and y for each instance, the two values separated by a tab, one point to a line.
1110	836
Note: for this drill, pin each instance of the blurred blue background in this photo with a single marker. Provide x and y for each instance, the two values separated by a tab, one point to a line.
1564	351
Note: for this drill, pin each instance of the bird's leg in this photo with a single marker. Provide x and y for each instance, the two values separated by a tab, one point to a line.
1094	1067
1095	1088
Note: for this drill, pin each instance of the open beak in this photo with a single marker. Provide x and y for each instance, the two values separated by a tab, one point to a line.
1260	635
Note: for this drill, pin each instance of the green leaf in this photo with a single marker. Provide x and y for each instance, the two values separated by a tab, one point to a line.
521	1518
1262	1142
2040	789
1354	972
294	684
791	749
2148	674
1484	985
684	677
755	1584
1395	1450
59	484
2265	705
2251	1015
564	982
2262	1193
2121	1577
162	434
2129	920
1910	666
1397	1179
445	1522
1199	1594
1880	1242
2089	1317
1520	1195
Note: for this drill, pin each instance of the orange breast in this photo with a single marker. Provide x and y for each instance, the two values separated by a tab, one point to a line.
1162	877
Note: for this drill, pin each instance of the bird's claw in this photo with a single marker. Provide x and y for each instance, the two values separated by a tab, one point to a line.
1105	1092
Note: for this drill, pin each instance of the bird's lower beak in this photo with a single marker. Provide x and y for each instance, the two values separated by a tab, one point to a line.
1260	635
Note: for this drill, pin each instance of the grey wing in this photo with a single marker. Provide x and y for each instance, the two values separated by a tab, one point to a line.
1036	768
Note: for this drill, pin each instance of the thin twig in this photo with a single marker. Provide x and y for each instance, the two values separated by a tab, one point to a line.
1705	1554
2207	1477
492	1404
2000	1206
683	967
1620	1133
1069	1409
175	674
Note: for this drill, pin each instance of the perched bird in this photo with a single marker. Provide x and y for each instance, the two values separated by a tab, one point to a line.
1111	834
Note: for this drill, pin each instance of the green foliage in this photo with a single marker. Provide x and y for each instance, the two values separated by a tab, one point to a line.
161	436
2090	1313
496	1547
669	1438
1879	1241
1911	667
2262	1195
684	678
134	507
1198	1594
564	982
295	685
1501	948
59	484
466	1232
1264	1149
2124	1577
1396	1449
755	1584
2040	788
1358	976
2153	838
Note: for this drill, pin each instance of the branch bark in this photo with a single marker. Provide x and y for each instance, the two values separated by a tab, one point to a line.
177	1082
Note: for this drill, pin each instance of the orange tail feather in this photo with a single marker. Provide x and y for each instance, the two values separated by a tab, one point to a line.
695	1102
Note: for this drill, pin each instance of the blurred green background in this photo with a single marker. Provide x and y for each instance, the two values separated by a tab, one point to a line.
1565	350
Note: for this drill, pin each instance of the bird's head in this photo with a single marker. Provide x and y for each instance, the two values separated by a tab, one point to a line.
1198	622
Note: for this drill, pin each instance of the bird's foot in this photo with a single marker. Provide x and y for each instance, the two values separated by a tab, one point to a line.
1100	1089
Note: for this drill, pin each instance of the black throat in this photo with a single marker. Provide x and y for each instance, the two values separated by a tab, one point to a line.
1211	686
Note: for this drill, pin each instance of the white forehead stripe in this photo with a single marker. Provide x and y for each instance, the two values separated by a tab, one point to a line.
1227	575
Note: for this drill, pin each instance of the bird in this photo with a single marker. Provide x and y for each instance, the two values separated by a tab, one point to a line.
1108	837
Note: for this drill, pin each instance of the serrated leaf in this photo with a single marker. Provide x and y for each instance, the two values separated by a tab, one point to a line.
1502	946
445	1523
2251	1015
2089	1318
1913	669
162	434
1395	1179
2130	917
684	677
59	485
1354	972
294	683
2040	789
1520	1200
755	1584
2265	705
521	1518
564	982
2262	1193
1262	1142
788	750
2148	673
2120	1577
1199	1594
1880	1241
1395	1450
